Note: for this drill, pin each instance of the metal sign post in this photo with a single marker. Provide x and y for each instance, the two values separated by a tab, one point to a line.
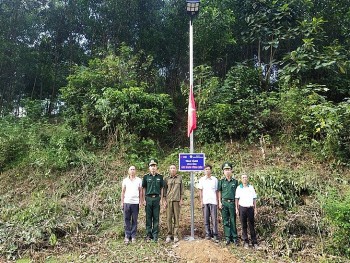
191	162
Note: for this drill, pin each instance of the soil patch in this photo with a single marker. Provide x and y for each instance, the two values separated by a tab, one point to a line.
203	251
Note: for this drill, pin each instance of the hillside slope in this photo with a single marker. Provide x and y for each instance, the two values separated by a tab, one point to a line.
74	216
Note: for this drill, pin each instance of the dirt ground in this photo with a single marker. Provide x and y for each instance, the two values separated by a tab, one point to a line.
203	251
199	250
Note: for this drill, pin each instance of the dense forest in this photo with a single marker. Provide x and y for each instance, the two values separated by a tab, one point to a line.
90	86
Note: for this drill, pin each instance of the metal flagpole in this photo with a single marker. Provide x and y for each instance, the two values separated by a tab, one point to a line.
191	135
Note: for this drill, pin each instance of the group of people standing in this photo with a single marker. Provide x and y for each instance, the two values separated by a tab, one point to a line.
226	194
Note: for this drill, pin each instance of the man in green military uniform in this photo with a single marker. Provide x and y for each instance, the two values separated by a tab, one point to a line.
227	191
173	193
152	184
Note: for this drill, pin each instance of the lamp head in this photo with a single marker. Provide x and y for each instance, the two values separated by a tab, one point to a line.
192	7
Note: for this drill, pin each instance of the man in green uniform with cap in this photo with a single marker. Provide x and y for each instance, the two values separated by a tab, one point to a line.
152	184
227	190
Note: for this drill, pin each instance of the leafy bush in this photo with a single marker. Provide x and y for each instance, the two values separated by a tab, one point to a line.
12	150
135	110
53	146
40	209
34	109
140	151
39	144
293	104
232	109
316	123
322	65
331	124
337	210
283	187
13	142
108	97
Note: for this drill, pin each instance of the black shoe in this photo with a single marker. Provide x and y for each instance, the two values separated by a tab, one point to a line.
235	242
227	242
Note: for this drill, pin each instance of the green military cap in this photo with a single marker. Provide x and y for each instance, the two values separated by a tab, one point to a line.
226	165
152	162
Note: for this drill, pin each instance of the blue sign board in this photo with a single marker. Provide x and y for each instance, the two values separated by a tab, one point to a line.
190	162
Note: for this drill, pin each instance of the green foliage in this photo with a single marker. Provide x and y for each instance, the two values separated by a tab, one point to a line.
307	64
232	109
140	151
316	123
53	147
314	62
337	210
330	125
87	84
137	111
38	144
293	104
270	22
29	224
107	97
41	209
13	145
34	109
270	26
278	187
213	35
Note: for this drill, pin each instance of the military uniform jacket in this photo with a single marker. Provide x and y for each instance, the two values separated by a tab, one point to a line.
153	184
228	188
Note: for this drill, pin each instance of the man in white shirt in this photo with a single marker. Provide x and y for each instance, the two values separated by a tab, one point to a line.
208	192
130	200
246	209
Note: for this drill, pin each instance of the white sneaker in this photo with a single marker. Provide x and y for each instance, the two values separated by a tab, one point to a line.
133	240
176	239
126	240
168	239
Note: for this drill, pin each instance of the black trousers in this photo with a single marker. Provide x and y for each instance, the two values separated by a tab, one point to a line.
246	215
131	213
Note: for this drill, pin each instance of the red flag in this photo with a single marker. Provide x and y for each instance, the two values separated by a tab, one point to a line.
192	118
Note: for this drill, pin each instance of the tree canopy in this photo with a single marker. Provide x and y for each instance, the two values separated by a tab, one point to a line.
103	62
